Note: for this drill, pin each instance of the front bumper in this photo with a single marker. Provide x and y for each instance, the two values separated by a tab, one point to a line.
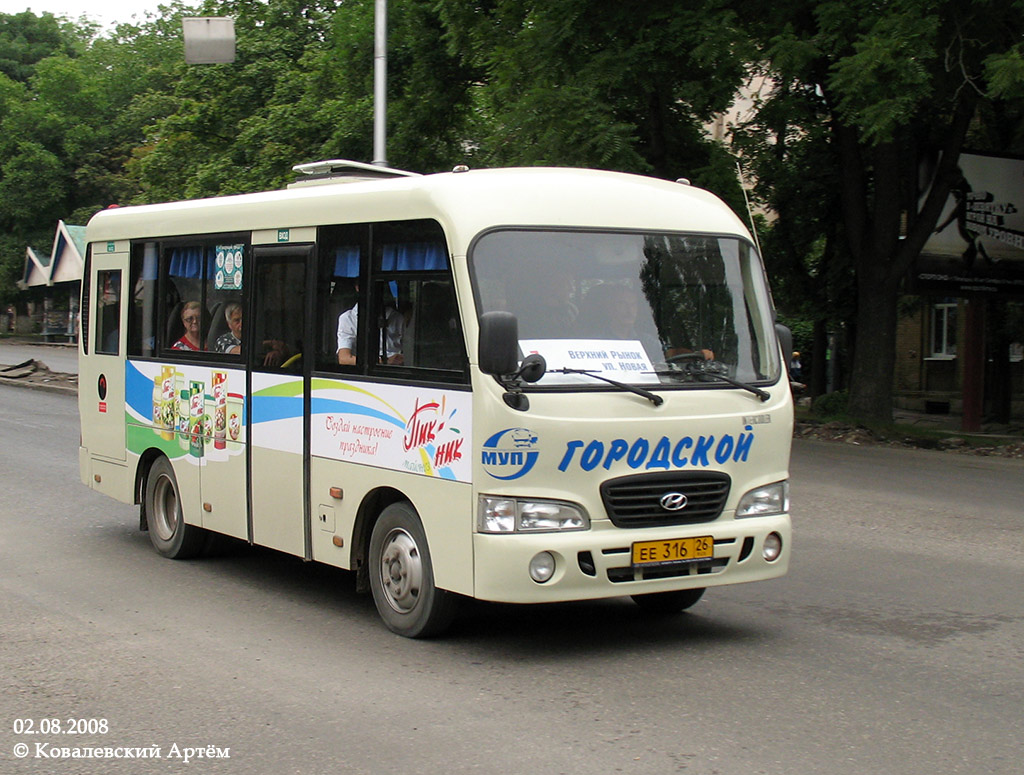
596	563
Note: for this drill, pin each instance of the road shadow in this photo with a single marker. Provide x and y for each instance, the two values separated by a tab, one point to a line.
497	631
611	625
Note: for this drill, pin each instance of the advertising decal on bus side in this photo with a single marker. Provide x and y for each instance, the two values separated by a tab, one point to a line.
423	430
194	412
199	412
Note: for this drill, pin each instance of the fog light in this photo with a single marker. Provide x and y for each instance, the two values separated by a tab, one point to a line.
772	547
542	567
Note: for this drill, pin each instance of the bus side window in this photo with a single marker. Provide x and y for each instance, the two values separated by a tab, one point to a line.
434	335
142	310
108	312
414	303
338	288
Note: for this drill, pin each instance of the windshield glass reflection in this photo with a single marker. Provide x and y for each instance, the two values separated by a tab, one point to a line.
641	308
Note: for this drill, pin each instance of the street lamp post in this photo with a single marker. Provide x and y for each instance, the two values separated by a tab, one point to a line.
380	80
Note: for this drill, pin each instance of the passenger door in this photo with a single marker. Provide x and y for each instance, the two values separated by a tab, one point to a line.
102	372
278	336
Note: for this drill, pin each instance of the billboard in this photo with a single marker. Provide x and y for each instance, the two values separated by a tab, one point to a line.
978	243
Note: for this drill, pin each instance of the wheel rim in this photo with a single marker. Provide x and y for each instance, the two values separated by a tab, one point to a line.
401	571
165	508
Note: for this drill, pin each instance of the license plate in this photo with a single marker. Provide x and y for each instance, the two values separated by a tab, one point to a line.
673	551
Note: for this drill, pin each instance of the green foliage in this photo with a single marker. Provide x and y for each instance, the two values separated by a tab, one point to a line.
833	404
31	186
883	81
1005	73
27	39
599	83
802	330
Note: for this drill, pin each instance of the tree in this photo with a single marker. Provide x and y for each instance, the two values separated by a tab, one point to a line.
896	83
301	89
601	83
428	88
786	150
25	39
33	183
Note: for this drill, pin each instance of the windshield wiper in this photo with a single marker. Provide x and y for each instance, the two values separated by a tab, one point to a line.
652	397
701	372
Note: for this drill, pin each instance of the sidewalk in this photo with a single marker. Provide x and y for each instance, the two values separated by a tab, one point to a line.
953	423
49	366
58	357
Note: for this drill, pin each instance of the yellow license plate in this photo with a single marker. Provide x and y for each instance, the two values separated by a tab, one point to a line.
674	550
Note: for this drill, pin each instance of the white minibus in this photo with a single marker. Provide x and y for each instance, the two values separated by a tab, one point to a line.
516	385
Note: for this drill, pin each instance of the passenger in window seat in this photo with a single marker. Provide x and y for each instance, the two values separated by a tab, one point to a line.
190	315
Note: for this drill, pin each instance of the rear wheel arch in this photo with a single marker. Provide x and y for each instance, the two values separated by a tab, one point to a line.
142	470
169	533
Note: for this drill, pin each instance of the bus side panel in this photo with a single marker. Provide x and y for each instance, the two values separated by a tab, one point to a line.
445	509
277	486
192	415
411	438
223	470
111	478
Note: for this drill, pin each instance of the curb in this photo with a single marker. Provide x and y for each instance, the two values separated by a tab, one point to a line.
54	388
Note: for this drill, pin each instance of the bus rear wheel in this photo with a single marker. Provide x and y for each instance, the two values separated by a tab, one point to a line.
402	577
668	602
168	532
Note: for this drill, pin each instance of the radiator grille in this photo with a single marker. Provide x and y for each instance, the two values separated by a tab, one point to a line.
636	501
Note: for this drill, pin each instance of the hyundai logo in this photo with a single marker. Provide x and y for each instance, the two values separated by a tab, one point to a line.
673	501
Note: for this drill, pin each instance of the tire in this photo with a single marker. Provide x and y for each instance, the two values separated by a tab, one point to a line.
402	577
168	532
668	602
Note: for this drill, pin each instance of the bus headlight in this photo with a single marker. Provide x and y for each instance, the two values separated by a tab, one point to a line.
765	501
496	515
514	515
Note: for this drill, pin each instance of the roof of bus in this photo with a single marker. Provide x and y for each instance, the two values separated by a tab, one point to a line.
465	203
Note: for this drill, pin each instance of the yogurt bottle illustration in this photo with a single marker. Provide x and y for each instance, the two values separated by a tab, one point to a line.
197	410
220	409
168	403
234	419
183	412
158	404
207	420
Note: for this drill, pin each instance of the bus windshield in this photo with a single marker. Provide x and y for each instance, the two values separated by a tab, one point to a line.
642	308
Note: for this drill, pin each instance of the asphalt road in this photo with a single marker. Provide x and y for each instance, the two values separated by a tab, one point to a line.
895	645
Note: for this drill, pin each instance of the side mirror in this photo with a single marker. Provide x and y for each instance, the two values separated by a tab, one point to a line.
532	368
786	343
498	348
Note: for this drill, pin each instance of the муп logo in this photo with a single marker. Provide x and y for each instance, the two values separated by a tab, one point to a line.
510	454
673	501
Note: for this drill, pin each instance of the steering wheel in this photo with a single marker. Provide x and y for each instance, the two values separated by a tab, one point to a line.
292	361
682	357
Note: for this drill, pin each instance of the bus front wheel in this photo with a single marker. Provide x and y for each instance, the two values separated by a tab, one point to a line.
668	602
168	532
402	577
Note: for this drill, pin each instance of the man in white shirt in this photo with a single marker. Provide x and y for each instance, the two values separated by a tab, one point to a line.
348	325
